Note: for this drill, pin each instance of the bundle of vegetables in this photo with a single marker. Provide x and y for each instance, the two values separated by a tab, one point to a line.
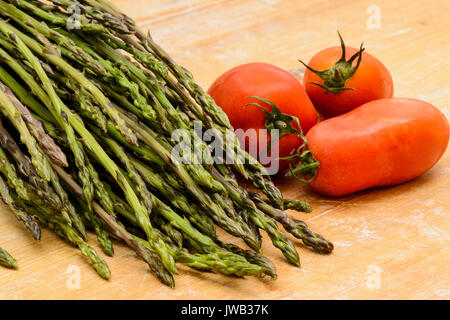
89	105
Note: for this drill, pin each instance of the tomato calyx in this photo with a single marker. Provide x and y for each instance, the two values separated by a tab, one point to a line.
308	164
334	78
275	119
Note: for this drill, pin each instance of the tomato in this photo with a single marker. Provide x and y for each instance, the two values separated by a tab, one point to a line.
336	83
231	91
381	143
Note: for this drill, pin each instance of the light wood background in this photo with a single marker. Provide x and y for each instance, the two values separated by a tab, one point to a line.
391	243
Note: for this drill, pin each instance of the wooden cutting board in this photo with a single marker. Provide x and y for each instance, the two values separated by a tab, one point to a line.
390	243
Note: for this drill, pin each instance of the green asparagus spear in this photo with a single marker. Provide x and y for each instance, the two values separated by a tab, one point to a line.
36	129
22	94
299	230
297	205
135	176
28	220
7	260
164	225
279	240
39	160
102	235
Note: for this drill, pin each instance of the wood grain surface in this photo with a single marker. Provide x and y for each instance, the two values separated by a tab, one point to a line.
390	243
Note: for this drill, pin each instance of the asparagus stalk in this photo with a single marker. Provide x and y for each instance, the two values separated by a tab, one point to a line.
199	176
297	205
6	260
165	111
22	94
101	191
39	160
279	240
252	257
102	235
36	129
175	236
98	263
21	215
44	6
68	232
29	80
135	176
9	172
80	101
298	230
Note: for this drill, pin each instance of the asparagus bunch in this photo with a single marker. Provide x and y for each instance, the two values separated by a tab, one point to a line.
90	108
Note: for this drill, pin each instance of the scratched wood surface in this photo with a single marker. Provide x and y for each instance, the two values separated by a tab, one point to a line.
390	243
